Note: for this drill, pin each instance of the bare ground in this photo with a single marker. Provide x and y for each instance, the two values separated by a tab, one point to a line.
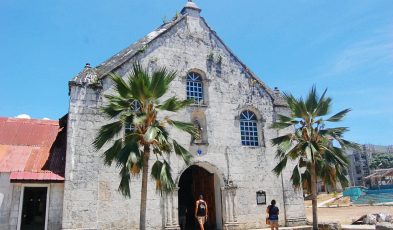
345	215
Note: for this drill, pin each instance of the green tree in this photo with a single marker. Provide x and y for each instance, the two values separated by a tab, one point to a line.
316	149
135	103
382	161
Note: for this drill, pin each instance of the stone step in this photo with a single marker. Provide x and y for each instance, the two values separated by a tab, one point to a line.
358	227
343	227
288	228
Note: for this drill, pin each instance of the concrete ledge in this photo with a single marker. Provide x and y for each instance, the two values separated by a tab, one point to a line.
358	227
305	227
343	227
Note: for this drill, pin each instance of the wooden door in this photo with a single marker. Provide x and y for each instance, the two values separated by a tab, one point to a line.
203	184
34	208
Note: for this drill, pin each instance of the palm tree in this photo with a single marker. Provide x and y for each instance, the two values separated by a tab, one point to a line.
316	148
135	104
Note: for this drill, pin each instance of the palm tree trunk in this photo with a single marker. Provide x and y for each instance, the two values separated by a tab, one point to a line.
145	169
314	197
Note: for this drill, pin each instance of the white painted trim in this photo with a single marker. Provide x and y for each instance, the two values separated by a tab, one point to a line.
21	202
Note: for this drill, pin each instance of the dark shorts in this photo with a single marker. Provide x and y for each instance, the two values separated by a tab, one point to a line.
273	221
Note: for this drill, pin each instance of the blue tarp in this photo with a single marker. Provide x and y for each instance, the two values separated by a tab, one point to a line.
353	192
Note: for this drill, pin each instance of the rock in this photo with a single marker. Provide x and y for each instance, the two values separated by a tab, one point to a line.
384	226
370	219
381	217
329	226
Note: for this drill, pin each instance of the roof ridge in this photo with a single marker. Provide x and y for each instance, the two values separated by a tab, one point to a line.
29	120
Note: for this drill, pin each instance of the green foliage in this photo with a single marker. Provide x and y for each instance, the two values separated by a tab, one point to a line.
317	150
312	143
210	56
382	161
127	150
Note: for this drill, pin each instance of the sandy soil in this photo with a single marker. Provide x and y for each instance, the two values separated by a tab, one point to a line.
345	215
321	197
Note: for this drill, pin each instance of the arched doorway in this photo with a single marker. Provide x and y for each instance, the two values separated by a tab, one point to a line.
194	181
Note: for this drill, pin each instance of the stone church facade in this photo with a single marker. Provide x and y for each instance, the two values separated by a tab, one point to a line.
233	158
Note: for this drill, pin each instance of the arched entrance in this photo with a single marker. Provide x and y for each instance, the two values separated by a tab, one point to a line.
194	181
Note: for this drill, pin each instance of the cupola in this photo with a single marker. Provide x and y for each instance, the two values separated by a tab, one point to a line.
191	9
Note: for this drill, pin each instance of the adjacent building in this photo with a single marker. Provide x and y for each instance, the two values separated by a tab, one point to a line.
360	162
32	162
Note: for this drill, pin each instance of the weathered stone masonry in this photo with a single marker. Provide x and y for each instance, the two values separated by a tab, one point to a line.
187	43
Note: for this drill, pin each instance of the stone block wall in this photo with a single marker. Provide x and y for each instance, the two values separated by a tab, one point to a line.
91	200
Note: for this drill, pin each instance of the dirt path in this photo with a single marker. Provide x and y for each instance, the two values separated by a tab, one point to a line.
345	215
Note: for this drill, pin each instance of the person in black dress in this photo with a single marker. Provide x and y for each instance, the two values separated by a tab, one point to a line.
273	212
201	212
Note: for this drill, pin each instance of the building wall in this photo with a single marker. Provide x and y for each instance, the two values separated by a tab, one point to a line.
360	164
91	199
9	207
361	160
6	191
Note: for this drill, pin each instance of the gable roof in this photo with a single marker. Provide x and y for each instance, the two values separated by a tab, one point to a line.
32	150
91	76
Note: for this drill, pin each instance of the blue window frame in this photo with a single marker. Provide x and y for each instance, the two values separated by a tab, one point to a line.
248	128
195	87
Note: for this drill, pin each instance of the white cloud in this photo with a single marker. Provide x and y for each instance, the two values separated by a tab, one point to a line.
372	52
23	116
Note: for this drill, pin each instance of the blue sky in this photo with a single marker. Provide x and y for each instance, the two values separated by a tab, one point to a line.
345	46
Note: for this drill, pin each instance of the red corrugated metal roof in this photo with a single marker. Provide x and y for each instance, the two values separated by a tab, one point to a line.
35	176
32	149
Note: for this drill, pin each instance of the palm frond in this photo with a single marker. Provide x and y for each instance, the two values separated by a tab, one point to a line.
297	106
312	100
110	154
161	173
173	104
339	116
337	131
129	152
139	83
182	152
121	86
125	178
298	150
284	118
184	126
341	175
306	180
107	133
160	82
335	156
284	138
282	125
151	134
324	105
349	144
280	166
296	177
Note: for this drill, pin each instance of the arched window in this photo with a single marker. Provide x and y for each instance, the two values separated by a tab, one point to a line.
135	107
195	87
248	128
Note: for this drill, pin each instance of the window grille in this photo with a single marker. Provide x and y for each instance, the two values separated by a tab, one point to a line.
135	107
195	88
248	128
